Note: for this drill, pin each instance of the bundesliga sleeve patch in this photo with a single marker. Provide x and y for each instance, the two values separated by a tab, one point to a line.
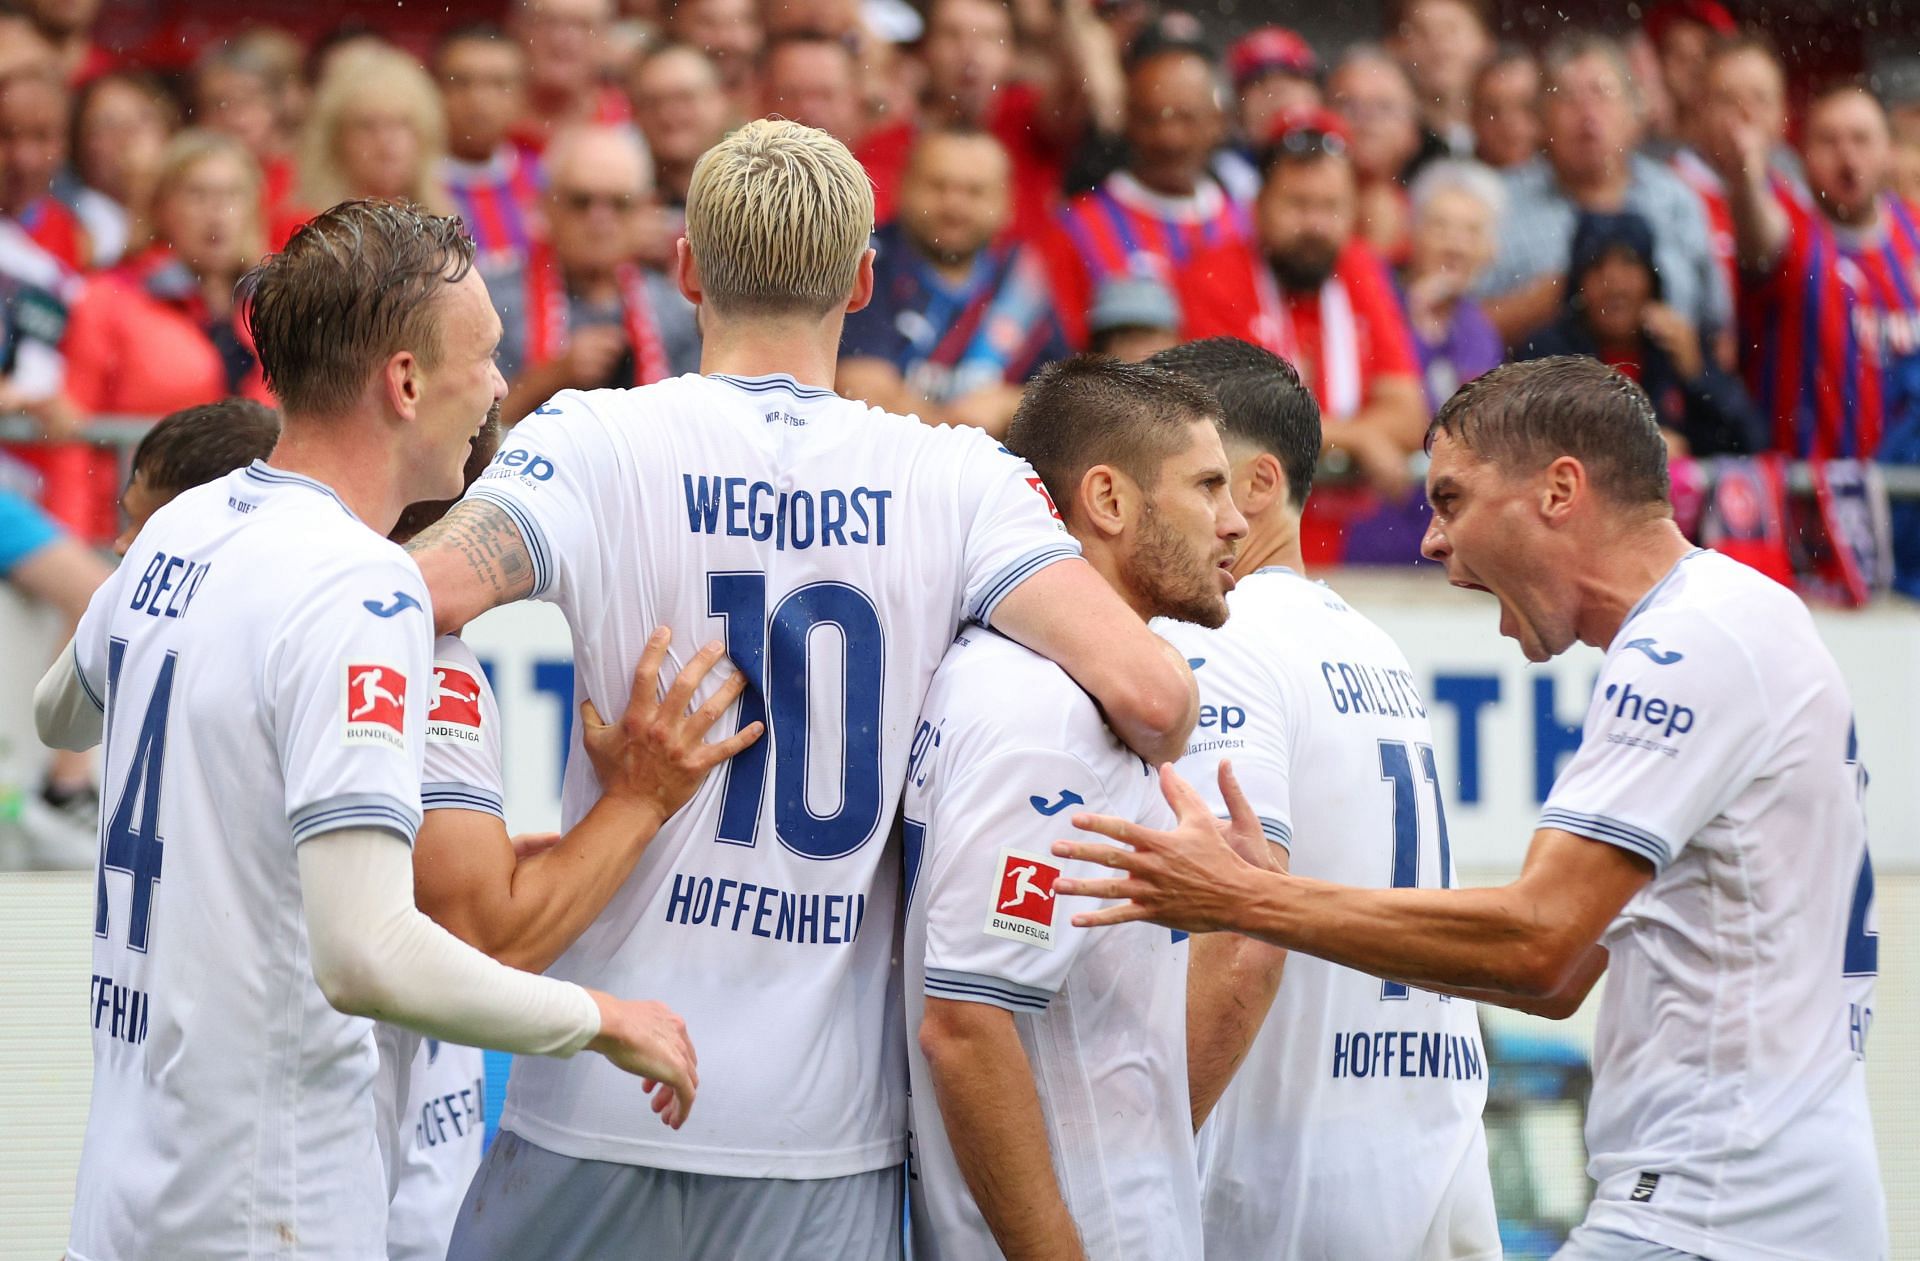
375	706
455	714
1022	907
1040	489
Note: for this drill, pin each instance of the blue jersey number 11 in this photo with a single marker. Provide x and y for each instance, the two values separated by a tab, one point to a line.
1396	767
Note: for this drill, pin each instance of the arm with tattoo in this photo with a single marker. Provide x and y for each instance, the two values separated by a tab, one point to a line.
473	559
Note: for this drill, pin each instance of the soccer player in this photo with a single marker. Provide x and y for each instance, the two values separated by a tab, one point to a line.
1706	844
836	549
1318	1148
260	664
189	448
1049	1075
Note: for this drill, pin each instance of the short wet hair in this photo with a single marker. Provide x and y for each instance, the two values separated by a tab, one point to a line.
1263	403
196	445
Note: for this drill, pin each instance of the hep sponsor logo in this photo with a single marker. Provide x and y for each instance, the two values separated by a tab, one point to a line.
522	464
1022	907
1222	718
375	705
1631	706
455	714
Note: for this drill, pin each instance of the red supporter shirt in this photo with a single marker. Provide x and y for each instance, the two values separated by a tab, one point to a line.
1230	292
1039	161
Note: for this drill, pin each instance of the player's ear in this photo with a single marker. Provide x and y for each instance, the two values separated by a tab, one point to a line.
1561	487
685	273
862	283
400	378
1105	496
1260	484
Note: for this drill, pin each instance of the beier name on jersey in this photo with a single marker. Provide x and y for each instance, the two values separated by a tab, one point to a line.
173	578
797	519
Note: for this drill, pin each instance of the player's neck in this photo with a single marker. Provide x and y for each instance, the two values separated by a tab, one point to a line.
1619	572
341	455
1268	545
805	350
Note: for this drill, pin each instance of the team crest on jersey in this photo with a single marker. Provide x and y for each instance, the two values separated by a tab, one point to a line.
1022	907
454	717
375	705
1040	489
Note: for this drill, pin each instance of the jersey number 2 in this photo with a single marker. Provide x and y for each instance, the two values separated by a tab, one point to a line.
132	843
1396	768
782	658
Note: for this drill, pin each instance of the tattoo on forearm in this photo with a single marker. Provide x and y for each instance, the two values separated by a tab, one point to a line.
486	538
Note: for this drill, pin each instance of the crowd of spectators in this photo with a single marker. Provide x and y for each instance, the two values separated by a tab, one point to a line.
1394	216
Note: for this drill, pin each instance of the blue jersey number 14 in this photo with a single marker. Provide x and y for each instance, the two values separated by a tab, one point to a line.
132	843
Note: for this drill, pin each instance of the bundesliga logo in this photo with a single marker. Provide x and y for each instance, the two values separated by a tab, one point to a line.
454	717
1023	899
375	706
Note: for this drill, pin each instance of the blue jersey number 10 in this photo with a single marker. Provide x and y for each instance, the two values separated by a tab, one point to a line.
777	654
132	842
1396	767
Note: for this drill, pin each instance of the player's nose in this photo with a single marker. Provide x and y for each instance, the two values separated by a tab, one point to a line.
1433	544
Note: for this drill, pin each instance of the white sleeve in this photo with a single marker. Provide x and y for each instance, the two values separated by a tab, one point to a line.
462	768
1678	727
374	954
65	713
346	679
1011	529
550	477
1246	717
994	932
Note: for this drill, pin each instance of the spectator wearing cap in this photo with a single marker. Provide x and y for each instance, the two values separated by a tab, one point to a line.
493	183
960	317
1681	32
1310	290
581	312
1506	109
730	33
1373	95
1133	319
1442	44
1591	164
1275	74
1614	314
1164	206
682	109
563	39
971	57
1456	207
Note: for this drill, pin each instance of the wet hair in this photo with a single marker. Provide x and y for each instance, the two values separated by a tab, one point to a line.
195	445
1524	416
1262	403
1092	410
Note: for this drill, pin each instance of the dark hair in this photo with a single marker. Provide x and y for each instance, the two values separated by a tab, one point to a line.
804	38
1398	11
471	33
1505	54
1091	410
1262	402
195	445
146	84
354	285
481	449
1526	415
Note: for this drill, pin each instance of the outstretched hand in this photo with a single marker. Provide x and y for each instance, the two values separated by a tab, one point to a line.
1193	878
657	752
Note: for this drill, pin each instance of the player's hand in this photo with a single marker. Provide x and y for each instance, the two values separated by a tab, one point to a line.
657	753
649	1041
1191	878
528	844
592	353
1241	828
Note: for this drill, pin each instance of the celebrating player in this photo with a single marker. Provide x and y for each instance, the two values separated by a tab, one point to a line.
1320	1127
1708	831
1050	1109
255	897
835	548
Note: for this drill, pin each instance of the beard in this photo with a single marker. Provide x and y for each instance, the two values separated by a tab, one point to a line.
1304	265
1174	578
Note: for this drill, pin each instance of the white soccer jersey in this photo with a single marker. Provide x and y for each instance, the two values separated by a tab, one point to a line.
439	1114
1352	1130
262	656
1008	748
834	549
1729	1114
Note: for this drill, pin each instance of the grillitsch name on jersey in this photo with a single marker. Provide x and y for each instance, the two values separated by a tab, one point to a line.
743	508
1359	688
740	906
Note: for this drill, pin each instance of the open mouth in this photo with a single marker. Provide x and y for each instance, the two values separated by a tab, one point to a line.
1225	568
1464	585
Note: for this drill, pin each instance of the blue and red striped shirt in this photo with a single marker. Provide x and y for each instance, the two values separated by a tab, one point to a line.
498	200
1833	335
1125	228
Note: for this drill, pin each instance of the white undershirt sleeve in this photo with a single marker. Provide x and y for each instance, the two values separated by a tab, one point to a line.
63	713
374	954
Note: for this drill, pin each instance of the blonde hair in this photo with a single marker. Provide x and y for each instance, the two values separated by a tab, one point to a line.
188	149
778	217
375	75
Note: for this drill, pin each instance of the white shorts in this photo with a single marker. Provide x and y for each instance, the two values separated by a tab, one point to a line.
530	1202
